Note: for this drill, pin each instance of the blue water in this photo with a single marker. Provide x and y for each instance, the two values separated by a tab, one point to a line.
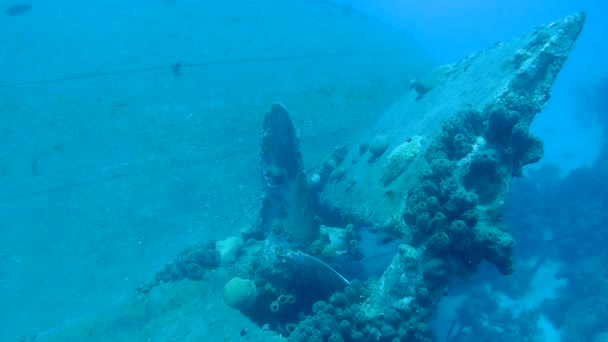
111	163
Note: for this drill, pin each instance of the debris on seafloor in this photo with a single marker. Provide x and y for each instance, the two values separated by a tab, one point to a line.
177	69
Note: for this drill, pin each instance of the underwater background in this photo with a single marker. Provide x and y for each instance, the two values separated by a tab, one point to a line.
130	131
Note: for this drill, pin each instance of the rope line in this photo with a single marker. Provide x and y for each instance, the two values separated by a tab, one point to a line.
201	64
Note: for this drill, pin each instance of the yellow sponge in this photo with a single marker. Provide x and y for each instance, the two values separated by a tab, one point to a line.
240	293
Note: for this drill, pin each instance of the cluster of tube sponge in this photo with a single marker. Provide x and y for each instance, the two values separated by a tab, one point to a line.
470	163
275	305
343	319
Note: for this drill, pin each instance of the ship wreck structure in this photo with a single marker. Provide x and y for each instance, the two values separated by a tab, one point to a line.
364	246
431	175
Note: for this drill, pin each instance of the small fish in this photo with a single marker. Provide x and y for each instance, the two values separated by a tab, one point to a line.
177	69
17	9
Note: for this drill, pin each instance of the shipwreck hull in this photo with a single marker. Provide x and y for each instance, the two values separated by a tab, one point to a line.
436	168
516	74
